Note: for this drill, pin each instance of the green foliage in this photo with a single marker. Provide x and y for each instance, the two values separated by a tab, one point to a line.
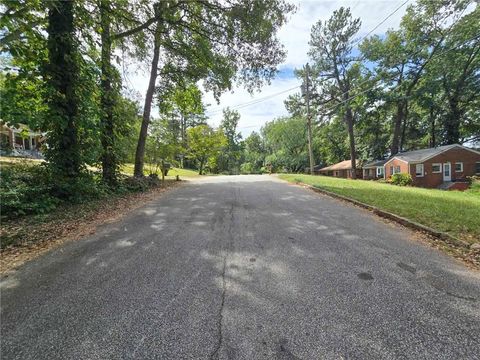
26	189
254	153
401	179
33	189
285	143
231	157
337	69
474	185
205	145
429	106
247	168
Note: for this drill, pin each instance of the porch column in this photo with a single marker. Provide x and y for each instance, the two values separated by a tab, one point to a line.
11	135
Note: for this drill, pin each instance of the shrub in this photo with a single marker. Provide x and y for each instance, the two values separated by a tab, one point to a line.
246	168
32	189
401	179
26	189
474	184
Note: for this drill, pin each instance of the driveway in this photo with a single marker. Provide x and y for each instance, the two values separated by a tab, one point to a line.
244	267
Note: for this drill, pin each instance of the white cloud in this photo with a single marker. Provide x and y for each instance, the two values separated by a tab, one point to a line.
295	36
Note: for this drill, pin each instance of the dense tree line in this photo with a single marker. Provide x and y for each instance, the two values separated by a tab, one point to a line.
418	86
61	72
414	87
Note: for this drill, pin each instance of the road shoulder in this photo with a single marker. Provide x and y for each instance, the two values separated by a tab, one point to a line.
37	238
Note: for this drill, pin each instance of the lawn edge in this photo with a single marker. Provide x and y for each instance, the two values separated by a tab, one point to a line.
453	246
388	215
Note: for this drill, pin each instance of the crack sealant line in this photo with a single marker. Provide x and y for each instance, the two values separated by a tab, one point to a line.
216	352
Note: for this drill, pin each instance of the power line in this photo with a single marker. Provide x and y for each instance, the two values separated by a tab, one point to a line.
256	101
252	102
376	81
381	23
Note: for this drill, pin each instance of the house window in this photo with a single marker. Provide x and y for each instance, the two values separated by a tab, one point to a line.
459	167
396	170
436	168
477	168
380	171
419	170
391	170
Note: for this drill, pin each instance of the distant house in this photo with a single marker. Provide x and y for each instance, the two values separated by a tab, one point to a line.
342	169
374	170
434	167
20	140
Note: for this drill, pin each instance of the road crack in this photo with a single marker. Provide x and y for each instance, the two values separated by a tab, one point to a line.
216	352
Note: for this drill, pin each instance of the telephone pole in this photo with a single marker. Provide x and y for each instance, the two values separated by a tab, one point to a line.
309	119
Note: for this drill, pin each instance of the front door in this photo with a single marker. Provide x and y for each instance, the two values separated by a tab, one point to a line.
447	173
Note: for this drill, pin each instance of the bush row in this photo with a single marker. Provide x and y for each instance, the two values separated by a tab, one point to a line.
32	189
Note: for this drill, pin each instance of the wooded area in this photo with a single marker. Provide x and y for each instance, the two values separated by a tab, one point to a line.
63	74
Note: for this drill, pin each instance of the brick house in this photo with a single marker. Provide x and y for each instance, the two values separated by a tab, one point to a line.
436	167
342	169
374	170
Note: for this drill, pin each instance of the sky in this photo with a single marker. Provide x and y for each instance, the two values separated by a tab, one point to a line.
295	36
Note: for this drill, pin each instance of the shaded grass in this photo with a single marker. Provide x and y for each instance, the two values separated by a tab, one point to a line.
456	213
128	169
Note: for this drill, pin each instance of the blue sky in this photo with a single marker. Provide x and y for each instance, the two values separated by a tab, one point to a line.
294	36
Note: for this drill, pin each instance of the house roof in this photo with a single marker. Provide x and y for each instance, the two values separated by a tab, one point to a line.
342	165
375	163
417	156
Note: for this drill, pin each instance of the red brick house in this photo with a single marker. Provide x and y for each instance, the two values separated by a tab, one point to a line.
374	170
342	169
434	167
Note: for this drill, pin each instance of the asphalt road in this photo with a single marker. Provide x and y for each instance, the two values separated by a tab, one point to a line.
243	268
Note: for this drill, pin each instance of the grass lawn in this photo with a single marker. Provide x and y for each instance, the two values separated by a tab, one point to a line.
9	161
127	168
183	173
454	212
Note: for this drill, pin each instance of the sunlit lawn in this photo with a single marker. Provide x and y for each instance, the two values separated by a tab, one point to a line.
454	212
126	168
183	173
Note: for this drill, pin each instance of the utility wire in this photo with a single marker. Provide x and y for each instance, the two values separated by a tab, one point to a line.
334	107
380	23
256	101
252	102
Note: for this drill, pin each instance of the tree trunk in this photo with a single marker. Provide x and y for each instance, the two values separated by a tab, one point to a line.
432	127
351	138
404	127
107	100
452	123
200	170
183	133
62	74
397	127
140	153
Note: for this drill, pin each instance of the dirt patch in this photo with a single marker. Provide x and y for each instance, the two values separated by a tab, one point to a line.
32	236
